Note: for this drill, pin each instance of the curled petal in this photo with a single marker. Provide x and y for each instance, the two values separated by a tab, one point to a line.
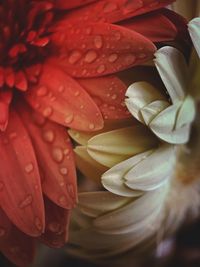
193	27
165	32
54	150
97	49
20	194
173	70
61	99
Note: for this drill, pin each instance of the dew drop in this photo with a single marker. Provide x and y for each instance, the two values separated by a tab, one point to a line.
38	224
26	202
42	91
70	189
90	56
91	126
112	58
88	30
109	7
74	57
117	35
63	200
29	168
101	69
57	154
69	118
63	171
98	42
66	151
142	56
77	93
114	97
129	59
81	106
61	89
12	135
48	136
54	227
39	119
2	231
47	112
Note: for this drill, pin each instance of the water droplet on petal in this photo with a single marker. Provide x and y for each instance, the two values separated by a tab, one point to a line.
54	227
142	56
61	89
88	30
48	136
63	171
77	93
38	223
74	57
98	42
42	91
47	112
26	202
2	231
117	35
63	200
90	56
69	118
91	126
70	189
29	168
112	58
13	135
39	119
101	69
109	7
57	154
114	97
129	59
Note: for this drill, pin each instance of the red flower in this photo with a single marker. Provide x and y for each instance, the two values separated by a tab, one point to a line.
44	49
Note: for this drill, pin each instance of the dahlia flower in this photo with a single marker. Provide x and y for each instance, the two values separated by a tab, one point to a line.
148	166
45	46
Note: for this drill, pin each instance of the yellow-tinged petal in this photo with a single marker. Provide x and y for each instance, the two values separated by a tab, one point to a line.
115	146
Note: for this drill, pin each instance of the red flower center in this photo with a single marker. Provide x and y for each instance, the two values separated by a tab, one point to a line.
24	40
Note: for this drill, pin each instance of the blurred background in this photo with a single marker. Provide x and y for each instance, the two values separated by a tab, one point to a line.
183	250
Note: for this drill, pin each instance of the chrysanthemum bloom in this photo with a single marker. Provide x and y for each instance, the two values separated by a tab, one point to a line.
44	48
152	167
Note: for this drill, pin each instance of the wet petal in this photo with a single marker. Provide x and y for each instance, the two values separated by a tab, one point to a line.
97	49
112	147
5	99
15	245
61	99
55	156
109	94
57	223
194	31
20	194
173	70
113	11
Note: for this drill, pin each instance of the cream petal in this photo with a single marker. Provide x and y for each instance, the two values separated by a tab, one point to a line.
194	30
153	170
139	95
133	213
113	180
186	113
96	203
150	111
115	146
173	70
80	137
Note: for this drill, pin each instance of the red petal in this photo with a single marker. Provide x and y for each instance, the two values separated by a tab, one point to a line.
5	99
20	188
55	156
69	4
165	32
21	81
57	223
114	10
109	94
61	99
98	49
15	245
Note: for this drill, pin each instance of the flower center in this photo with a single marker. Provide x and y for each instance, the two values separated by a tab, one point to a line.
24	40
